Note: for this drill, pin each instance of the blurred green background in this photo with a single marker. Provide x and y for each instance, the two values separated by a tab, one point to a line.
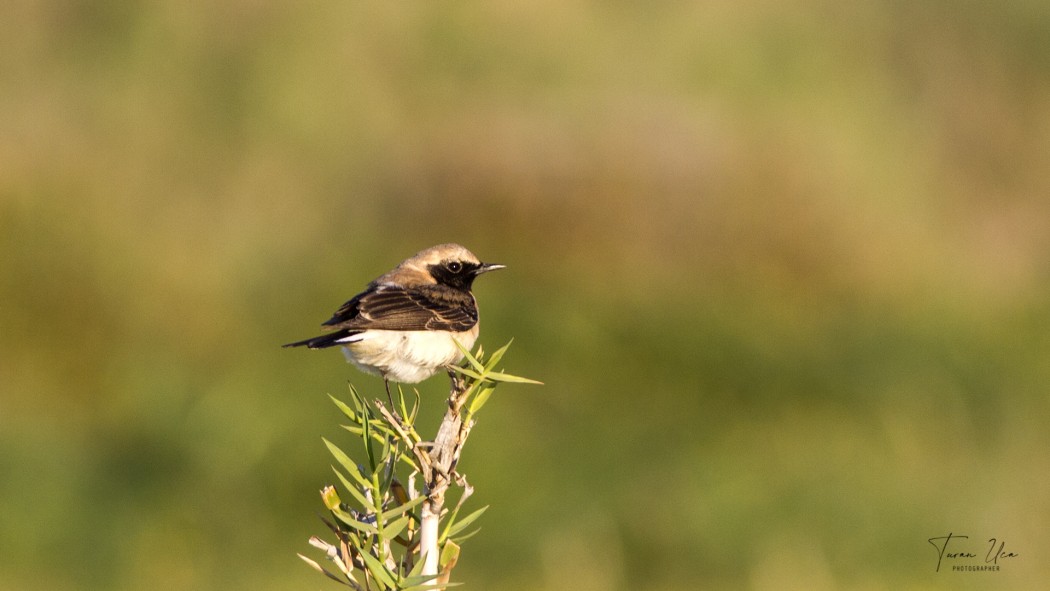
783	266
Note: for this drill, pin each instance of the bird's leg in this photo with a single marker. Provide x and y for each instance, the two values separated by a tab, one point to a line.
456	379
458	388
389	398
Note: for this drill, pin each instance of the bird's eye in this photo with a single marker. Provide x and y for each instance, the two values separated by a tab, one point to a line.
455	266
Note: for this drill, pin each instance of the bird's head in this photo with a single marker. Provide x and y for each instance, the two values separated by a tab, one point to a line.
448	264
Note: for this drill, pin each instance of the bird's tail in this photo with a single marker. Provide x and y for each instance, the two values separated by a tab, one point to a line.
323	341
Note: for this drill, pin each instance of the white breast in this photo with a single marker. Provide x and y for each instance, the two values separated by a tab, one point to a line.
406	356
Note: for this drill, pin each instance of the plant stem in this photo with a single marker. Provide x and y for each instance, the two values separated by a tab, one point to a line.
443	456
428	535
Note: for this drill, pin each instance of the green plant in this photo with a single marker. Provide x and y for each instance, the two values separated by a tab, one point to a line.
392	530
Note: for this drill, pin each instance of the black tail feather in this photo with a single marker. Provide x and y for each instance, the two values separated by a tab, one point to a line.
323	341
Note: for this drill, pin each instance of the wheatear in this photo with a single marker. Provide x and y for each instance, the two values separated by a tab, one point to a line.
402	325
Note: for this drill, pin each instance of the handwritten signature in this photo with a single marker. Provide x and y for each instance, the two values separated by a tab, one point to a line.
996	550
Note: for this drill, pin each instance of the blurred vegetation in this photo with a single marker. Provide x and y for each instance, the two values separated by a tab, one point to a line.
783	267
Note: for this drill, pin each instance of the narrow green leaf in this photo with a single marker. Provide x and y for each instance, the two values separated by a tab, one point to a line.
417	580
503	377
470	358
359	401
460	538
366	435
387	459
379	571
357	524
417	569
377	434
379	425
401	401
468	372
480	399
455	528
401	509
349	486
394	528
346	410
348	464
360	544
491	362
415	409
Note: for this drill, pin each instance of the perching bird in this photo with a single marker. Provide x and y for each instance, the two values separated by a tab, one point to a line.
402	325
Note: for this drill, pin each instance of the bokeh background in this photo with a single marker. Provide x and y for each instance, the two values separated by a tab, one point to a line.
783	266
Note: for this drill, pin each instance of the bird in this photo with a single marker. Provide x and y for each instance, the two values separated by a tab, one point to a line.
402	326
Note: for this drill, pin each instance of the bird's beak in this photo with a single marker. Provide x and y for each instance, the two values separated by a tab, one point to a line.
486	267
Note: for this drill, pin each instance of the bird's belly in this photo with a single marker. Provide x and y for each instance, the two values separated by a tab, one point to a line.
407	356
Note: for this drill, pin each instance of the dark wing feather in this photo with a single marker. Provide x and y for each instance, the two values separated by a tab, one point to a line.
347	311
430	307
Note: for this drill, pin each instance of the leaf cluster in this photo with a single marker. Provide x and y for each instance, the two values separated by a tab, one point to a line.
377	520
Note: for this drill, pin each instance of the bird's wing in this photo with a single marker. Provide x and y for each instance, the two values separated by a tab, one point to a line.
430	307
